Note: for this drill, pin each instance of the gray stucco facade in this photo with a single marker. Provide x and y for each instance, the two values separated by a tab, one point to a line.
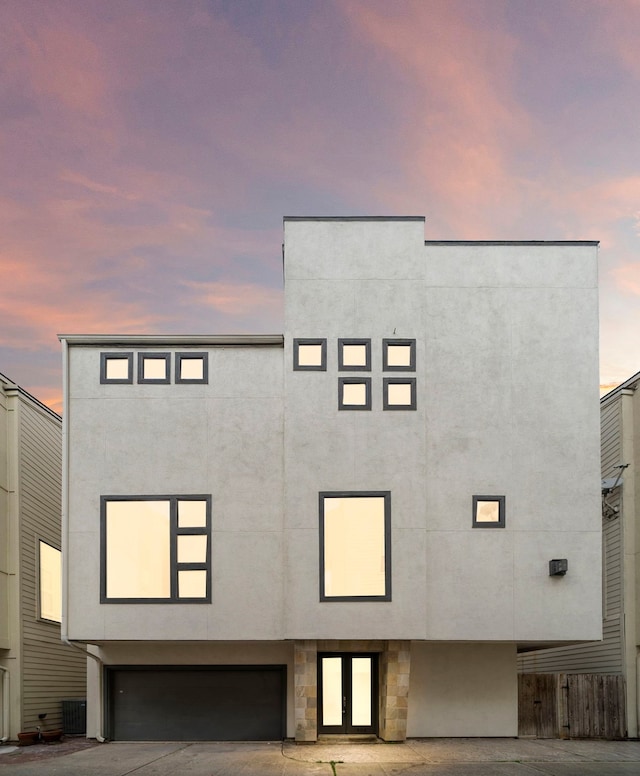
497	399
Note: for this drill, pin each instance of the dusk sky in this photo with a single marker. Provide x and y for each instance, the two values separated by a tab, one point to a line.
150	148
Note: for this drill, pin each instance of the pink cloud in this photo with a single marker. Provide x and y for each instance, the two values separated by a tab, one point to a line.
238	300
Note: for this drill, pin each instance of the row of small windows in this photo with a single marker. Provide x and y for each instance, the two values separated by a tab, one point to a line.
398	393
354	355
154	367
157	549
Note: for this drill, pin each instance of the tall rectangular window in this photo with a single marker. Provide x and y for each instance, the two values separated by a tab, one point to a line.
355	546
50	582
156	549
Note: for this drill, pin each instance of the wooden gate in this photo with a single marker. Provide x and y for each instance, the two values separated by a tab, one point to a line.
571	706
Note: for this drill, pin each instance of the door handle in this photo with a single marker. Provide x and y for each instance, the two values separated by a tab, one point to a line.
344	705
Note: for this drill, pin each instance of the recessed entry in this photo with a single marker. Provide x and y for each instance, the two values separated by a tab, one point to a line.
399	393
488	512
399	355
310	355
354	393
354	355
116	367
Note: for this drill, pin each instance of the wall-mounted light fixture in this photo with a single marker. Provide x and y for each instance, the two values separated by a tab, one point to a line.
558	567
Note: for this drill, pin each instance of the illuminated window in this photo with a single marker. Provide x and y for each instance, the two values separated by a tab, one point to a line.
116	368
399	355
355	546
354	393
192	367
354	355
488	511
156	549
399	393
310	355
154	367
50	582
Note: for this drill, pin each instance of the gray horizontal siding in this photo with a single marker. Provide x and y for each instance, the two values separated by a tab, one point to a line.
51	671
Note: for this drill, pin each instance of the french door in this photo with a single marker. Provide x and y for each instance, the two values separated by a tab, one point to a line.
347	693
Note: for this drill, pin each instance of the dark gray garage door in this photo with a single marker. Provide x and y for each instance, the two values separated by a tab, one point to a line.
179	703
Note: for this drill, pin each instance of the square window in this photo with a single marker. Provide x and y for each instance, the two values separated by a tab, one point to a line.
354	393
50	582
399	355
155	549
354	355
116	368
355	546
192	368
399	393
154	367
488	511
310	355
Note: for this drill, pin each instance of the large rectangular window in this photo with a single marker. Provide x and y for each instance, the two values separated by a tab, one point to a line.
50	582
355	546
156	549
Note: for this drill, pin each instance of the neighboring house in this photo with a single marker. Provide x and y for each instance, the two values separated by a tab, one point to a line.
37	670
346	529
619	651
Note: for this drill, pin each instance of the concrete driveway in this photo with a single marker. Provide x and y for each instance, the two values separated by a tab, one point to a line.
432	757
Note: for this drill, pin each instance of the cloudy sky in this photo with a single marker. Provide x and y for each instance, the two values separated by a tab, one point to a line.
149	149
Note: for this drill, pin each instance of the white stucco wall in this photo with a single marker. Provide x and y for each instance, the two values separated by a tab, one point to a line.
463	690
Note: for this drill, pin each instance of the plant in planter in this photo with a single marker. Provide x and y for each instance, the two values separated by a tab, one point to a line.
27	739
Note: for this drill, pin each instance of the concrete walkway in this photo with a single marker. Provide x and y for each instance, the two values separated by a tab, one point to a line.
418	757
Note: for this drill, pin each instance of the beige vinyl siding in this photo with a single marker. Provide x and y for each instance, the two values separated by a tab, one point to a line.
51	670
606	656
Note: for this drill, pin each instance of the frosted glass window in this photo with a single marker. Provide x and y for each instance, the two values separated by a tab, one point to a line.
155	550
354	393
192	367
154	369
50	576
138	535
355	546
361	711
117	368
192	514
399	355
192	584
332	691
488	511
399	393
310	354
192	548
354	355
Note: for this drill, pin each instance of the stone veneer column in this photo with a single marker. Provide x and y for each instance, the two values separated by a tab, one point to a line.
394	690
306	690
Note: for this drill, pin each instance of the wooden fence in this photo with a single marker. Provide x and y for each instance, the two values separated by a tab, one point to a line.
571	706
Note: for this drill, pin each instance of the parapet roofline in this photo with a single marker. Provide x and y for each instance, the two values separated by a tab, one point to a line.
353	218
199	340
594	243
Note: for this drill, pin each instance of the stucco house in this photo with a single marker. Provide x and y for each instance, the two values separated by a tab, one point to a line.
37	671
619	651
346	529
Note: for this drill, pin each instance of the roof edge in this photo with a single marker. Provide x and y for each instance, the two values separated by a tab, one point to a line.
201	340
512	242
10	385
353	218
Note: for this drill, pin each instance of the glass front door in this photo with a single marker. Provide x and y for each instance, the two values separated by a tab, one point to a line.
347	692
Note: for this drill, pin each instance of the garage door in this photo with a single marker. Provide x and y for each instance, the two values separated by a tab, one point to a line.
180	703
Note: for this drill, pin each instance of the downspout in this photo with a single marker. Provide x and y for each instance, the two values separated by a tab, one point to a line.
65	534
5	704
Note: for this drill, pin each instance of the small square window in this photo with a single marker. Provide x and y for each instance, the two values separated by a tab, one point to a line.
399	393
310	355
354	393
192	368
488	511
116	368
399	355
154	367
354	355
